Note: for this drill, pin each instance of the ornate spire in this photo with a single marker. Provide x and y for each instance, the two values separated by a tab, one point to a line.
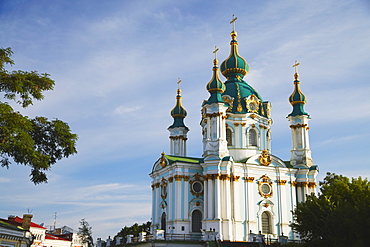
297	99
178	112
234	65
215	86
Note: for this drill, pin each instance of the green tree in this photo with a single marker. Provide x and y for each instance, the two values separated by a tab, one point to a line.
135	229
38	142
85	233
339	216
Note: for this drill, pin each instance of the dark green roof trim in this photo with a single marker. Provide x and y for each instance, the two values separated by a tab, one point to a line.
298	110
178	122
243	160
287	164
226	158
314	167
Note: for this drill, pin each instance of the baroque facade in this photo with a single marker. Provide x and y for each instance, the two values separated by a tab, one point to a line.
238	187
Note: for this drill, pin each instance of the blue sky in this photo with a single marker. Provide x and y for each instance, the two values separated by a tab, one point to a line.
116	64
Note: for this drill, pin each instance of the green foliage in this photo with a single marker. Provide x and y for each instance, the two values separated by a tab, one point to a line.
135	229
339	216
85	233
39	142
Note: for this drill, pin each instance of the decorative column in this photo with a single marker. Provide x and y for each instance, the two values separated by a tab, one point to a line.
178	204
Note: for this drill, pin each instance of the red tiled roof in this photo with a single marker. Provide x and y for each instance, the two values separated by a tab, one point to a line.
20	220
17	221
52	237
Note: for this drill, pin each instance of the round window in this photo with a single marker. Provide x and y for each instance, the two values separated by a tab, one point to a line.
197	187
265	189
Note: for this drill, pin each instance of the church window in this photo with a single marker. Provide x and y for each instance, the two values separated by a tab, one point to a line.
268	140
196	221
164	191
163	221
197	187
252	134
229	137
266	223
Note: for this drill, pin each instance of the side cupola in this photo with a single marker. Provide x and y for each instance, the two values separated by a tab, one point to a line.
178	112
215	86
297	99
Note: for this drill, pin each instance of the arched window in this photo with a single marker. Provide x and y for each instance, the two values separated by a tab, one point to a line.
229	137
196	221
252	134
266	223
163	221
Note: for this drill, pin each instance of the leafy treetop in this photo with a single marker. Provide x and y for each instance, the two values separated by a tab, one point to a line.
339	216
38	142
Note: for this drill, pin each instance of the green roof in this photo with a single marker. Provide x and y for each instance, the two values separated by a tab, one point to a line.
172	159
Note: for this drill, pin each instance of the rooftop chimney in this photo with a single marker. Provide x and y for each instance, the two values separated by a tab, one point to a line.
26	223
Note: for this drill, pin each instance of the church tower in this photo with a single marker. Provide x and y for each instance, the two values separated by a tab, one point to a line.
178	130
301	153
213	118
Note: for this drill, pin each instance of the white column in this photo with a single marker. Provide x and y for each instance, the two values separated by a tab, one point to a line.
178	196
154	207
210	199
227	235
186	199
217	199
170	201
205	202
157	195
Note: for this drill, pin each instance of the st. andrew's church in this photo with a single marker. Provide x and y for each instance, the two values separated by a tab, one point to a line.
238	187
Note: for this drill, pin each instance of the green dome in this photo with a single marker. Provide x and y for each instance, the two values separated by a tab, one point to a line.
215	86
234	65
297	99
178	112
239	90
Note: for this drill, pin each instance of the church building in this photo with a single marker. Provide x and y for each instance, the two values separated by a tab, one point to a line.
238	187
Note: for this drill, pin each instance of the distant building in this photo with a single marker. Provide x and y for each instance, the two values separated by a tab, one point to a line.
14	236
238	188
40	237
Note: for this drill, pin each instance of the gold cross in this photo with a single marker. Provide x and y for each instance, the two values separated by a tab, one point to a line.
215	52
296	66
233	21
178	83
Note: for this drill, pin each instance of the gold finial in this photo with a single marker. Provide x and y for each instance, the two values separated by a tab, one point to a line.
163	160
233	21
296	75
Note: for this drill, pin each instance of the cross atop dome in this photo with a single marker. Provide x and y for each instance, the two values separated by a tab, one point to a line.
296	75
233	21
215	51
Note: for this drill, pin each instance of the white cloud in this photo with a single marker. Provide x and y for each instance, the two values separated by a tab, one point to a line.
4	180
126	109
